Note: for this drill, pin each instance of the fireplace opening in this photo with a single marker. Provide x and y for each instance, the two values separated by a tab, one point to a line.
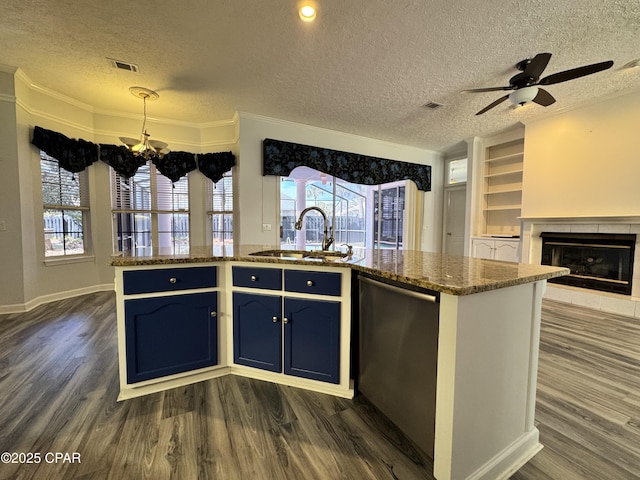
599	261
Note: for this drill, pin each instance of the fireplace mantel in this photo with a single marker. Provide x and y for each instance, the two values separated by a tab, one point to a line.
584	219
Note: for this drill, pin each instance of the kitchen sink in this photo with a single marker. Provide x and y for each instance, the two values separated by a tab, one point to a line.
301	254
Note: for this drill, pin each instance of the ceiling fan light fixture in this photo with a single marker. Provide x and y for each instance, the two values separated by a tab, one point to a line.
145	147
523	95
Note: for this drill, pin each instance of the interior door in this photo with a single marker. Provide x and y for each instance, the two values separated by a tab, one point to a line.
455	200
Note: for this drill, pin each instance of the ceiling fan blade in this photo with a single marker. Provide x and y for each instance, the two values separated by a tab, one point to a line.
537	65
543	98
490	106
575	73
488	89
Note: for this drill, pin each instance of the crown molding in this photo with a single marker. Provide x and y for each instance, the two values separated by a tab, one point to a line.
8	98
19	74
8	69
24	104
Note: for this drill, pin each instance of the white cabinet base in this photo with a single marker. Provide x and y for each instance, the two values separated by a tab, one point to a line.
486	383
507	250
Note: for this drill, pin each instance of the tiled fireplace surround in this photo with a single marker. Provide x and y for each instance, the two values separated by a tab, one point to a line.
608	302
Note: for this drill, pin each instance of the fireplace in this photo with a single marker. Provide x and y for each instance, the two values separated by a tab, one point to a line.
598	261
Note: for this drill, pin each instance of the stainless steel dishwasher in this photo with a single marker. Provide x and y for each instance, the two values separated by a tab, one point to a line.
397	355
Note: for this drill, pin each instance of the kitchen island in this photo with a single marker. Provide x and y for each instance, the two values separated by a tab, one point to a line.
486	354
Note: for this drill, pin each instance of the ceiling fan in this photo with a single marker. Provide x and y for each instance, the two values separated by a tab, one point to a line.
525	85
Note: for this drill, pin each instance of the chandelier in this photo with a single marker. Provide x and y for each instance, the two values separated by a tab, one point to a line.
144	147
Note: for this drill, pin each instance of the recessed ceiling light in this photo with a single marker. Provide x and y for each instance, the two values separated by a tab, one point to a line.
307	13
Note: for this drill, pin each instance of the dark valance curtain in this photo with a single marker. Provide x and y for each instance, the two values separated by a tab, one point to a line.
121	159
75	155
72	155
175	165
214	165
280	158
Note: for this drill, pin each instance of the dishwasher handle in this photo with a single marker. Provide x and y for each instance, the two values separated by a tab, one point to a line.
410	293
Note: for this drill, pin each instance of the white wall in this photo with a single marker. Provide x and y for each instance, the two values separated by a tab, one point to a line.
10	206
584	162
258	195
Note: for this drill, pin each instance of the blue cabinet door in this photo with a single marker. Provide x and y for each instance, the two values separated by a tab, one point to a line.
312	339
257	337
172	334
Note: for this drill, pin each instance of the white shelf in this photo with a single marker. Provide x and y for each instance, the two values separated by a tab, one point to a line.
505	207
503	174
513	156
502	188
506	190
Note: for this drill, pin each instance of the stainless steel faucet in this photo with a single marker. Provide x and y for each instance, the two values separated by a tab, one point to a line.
327	238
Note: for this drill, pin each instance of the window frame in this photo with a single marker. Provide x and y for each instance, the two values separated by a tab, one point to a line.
160	192
226	182
409	224
82	208
449	181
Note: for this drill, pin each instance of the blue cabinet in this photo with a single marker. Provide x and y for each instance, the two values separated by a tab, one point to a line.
257	331
168	279
257	277
170	334
312	339
304	333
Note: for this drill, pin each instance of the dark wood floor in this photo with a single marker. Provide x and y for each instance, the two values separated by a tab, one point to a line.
59	382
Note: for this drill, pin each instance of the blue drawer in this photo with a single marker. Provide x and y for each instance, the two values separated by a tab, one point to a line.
168	279
322	283
256	277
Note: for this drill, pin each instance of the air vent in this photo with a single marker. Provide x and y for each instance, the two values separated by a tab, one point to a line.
432	105
130	67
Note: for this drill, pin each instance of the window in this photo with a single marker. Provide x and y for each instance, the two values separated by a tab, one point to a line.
363	216
456	171
220	211
66	209
389	216
150	213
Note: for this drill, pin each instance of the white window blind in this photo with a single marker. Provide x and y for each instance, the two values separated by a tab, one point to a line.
150	213
220	210
65	198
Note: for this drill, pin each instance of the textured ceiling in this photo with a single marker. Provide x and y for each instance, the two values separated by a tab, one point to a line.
364	66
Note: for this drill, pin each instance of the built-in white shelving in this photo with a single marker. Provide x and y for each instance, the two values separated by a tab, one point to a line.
502	188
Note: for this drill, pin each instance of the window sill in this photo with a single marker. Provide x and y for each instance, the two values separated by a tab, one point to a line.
53	261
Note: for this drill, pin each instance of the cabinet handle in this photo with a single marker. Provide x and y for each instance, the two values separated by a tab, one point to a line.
274	319
254	278
173	280
285	320
214	314
309	283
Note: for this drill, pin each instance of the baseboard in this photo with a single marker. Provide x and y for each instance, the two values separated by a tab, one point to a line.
511	459
53	297
178	380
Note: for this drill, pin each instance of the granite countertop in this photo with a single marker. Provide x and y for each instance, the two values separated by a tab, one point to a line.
450	274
